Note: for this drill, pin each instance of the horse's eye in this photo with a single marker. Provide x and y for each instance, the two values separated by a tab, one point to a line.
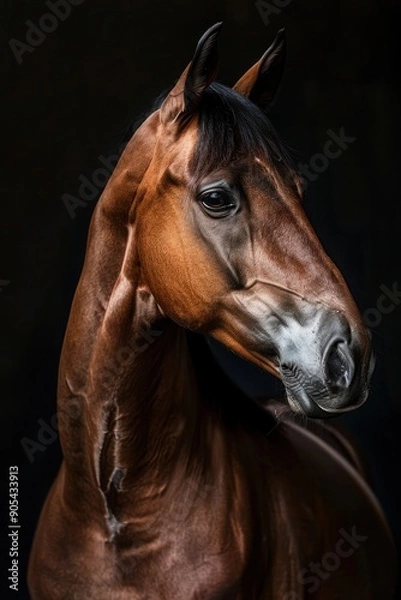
217	202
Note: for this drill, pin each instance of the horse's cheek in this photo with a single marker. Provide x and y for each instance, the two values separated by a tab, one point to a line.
180	273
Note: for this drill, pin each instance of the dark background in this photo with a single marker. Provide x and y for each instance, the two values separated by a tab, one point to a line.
72	99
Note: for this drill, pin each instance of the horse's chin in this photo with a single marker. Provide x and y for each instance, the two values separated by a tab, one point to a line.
302	403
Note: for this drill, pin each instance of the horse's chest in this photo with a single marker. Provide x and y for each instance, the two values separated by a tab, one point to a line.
196	546
191	566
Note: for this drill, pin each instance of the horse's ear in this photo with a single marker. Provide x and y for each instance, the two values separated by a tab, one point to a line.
261	82
199	74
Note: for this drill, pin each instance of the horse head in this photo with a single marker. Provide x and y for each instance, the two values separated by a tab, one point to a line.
223	242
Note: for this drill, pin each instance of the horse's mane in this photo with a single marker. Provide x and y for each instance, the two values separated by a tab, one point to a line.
230	126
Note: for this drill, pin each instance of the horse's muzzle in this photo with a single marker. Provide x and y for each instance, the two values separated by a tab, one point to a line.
329	372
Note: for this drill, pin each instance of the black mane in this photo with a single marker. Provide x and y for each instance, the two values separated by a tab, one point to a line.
231	127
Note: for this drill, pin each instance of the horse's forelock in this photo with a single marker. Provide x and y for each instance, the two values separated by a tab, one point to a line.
232	127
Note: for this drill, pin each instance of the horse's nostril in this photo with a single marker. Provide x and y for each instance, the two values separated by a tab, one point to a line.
339	366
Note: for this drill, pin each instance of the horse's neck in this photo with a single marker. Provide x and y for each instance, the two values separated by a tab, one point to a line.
127	388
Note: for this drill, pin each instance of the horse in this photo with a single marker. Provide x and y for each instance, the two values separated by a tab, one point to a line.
174	485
